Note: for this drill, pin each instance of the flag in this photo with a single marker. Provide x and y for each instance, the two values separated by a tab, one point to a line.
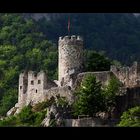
69	24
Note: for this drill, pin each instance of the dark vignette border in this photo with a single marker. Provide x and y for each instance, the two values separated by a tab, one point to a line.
61	6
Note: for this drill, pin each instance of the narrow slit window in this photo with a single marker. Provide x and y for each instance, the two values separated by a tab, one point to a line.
32	82
20	87
39	81
36	90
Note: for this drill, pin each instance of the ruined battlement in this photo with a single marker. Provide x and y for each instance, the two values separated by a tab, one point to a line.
32	86
35	74
129	76
70	38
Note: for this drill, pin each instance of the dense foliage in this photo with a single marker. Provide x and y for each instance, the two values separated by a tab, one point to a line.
22	47
130	118
116	34
96	61
27	117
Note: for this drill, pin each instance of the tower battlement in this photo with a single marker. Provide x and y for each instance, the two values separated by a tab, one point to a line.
70	38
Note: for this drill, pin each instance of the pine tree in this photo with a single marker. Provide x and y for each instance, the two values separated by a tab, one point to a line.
89	97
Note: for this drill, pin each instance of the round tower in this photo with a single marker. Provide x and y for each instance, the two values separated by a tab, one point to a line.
70	59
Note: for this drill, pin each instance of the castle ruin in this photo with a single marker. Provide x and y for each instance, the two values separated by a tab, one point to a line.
36	87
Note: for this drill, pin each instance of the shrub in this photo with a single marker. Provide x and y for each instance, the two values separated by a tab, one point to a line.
40	106
130	118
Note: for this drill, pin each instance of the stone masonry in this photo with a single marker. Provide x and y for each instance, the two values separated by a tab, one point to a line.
70	58
36	87
129	76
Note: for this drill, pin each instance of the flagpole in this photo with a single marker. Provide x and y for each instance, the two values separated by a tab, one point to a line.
69	26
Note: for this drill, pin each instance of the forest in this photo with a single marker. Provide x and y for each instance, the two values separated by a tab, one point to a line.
117	35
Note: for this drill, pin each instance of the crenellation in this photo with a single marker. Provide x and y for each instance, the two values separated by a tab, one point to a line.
70	40
79	38
73	37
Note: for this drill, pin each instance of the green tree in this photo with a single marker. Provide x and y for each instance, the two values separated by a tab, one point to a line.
96	61
89	97
8	100
130	118
110	92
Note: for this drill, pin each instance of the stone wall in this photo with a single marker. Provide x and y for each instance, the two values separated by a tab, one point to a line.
89	122
129	76
129	98
32	86
36	84
64	91
22	89
102	76
70	59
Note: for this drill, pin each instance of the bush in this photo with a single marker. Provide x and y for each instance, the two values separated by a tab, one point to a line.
26	115
40	106
130	118
39	116
10	121
25	118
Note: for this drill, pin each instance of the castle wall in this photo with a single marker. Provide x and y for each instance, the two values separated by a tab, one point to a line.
129	98
70	58
102	76
89	122
129	76
64	91
33	87
36	85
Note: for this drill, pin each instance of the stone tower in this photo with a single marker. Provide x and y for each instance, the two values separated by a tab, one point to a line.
70	59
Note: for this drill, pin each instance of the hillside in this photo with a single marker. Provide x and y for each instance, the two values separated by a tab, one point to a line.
115	34
22	47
